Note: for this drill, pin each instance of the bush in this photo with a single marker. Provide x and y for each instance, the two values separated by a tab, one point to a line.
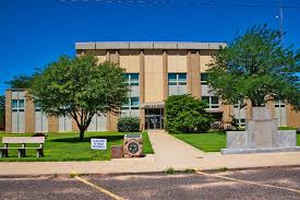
186	114
40	135
129	124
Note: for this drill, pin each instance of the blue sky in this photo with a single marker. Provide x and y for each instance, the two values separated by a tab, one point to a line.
34	32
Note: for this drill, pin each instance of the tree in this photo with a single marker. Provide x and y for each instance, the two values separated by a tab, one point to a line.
80	88
21	81
2	109
186	114
256	66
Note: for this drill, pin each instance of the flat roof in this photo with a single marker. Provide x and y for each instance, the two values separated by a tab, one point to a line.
149	45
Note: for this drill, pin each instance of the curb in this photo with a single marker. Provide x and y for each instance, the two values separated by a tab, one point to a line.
216	170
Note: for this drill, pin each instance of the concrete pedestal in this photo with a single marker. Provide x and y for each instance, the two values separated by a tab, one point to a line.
261	135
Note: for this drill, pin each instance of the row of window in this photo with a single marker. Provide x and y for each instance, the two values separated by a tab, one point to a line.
19	105
173	78
177	86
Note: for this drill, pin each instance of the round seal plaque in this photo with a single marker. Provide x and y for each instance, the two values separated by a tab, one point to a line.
133	145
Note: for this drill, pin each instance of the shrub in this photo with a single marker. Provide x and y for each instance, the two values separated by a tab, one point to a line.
40	135
186	114
129	124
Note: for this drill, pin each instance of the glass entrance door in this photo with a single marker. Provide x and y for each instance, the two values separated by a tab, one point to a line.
154	118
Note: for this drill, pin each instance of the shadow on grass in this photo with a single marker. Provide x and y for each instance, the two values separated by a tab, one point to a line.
110	138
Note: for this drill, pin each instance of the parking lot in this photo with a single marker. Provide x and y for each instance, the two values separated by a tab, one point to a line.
269	183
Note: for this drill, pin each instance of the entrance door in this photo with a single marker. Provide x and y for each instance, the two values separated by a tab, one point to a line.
154	118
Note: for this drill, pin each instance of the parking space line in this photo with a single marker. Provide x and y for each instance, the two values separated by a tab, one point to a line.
247	182
100	189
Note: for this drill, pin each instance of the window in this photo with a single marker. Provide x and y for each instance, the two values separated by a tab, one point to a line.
238	104
241	122
212	101
133	103
177	83
279	103
204	78
132	78
18	104
37	107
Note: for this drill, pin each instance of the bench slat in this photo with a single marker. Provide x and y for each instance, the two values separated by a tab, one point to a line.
23	140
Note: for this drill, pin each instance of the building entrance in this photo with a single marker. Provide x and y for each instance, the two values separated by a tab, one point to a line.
154	118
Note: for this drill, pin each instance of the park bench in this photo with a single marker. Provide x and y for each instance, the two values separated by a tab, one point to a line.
22	149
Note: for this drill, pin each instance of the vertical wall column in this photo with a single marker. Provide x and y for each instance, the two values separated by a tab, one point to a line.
292	116
165	75
52	124
271	106
195	63
74	125
248	110
8	114
193	73
113	116
29	114
142	88
189	72
227	115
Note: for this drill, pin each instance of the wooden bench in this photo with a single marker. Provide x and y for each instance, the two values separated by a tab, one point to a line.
22	149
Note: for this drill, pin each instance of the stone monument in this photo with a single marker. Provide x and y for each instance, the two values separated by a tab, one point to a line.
261	135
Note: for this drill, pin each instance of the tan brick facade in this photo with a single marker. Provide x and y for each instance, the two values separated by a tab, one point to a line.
8	112
29	114
52	124
293	117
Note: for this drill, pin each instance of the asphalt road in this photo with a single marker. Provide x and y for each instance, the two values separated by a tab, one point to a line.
272	183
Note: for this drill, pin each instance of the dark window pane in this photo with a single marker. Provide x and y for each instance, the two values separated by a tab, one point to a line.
135	101
214	100
172	83
172	77
204	77
134	77
182	77
126	76
134	83
14	103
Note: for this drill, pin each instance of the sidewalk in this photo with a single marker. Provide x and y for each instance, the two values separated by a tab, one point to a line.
169	152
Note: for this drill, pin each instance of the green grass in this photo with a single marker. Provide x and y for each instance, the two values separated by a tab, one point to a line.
147	144
68	147
210	142
207	142
286	128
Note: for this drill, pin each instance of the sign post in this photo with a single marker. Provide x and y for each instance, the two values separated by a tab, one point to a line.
98	144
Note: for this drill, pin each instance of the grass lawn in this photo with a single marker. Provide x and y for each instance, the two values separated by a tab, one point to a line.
209	142
68	147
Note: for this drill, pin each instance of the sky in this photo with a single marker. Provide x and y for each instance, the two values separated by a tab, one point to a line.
34	33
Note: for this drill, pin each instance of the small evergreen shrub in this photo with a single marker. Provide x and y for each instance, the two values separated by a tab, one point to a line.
129	124
186	114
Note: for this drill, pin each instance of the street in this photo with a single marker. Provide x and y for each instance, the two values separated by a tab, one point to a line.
268	183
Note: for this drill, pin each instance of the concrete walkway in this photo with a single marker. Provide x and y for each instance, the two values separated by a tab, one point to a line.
169	152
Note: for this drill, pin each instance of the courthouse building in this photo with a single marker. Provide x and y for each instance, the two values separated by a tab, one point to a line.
154	71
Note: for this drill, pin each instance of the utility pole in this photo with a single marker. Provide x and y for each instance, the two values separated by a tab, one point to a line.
281	19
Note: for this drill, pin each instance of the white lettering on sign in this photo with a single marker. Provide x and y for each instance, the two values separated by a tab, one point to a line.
99	144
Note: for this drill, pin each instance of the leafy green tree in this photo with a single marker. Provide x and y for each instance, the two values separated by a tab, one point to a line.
2	109
256	66
80	87
21	81
186	114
